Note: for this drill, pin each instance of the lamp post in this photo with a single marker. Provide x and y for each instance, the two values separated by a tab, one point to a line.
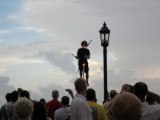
104	35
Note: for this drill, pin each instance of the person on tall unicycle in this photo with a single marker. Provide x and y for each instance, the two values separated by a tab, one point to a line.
82	55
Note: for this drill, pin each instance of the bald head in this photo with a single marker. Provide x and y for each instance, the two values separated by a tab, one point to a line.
125	106
55	94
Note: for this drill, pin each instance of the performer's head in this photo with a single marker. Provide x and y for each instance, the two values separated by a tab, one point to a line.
84	44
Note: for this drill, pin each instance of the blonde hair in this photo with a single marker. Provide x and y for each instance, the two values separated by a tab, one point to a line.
23	108
80	84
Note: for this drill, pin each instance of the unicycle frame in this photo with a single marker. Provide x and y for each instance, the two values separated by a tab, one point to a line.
83	69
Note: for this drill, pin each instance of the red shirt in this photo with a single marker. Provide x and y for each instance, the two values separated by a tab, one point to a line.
52	106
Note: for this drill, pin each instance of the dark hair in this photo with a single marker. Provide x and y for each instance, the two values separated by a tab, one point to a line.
65	100
25	93
140	89
150	100
90	94
14	96
8	97
39	112
42	100
113	93
84	42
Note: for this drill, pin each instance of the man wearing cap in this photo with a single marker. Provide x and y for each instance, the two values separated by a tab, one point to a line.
82	55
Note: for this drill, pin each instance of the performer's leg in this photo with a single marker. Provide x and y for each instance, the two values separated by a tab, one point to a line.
87	73
87	76
80	69
80	73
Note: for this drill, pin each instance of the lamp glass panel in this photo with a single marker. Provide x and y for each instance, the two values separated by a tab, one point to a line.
102	38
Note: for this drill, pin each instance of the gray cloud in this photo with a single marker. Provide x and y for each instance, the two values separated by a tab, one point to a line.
115	81
4	88
46	92
62	60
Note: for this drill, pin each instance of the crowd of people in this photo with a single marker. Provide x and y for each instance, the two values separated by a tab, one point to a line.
131	103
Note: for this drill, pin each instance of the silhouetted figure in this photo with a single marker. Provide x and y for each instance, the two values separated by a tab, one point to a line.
82	55
3	112
53	104
63	113
10	105
80	110
98	112
150	112
150	100
19	90
43	101
113	93
39	112
25	93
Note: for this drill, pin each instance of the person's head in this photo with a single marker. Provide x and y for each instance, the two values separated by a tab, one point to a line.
140	90
55	94
23	108
42	100
84	43
150	100
113	93
39	112
80	85
25	93
8	97
90	95
65	100
14	96
125	106
19	90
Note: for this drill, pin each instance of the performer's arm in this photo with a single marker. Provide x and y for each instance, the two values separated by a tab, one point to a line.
88	55
77	57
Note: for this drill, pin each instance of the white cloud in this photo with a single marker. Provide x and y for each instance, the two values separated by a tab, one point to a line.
1	40
4	31
114	55
95	69
27	28
3	70
15	60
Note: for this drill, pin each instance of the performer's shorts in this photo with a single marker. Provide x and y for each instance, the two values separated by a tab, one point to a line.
86	68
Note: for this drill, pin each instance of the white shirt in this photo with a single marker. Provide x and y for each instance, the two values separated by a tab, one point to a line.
80	109
62	113
150	112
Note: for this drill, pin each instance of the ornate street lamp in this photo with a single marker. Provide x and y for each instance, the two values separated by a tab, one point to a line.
104	35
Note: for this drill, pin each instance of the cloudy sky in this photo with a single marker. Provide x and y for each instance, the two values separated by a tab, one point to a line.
38	37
